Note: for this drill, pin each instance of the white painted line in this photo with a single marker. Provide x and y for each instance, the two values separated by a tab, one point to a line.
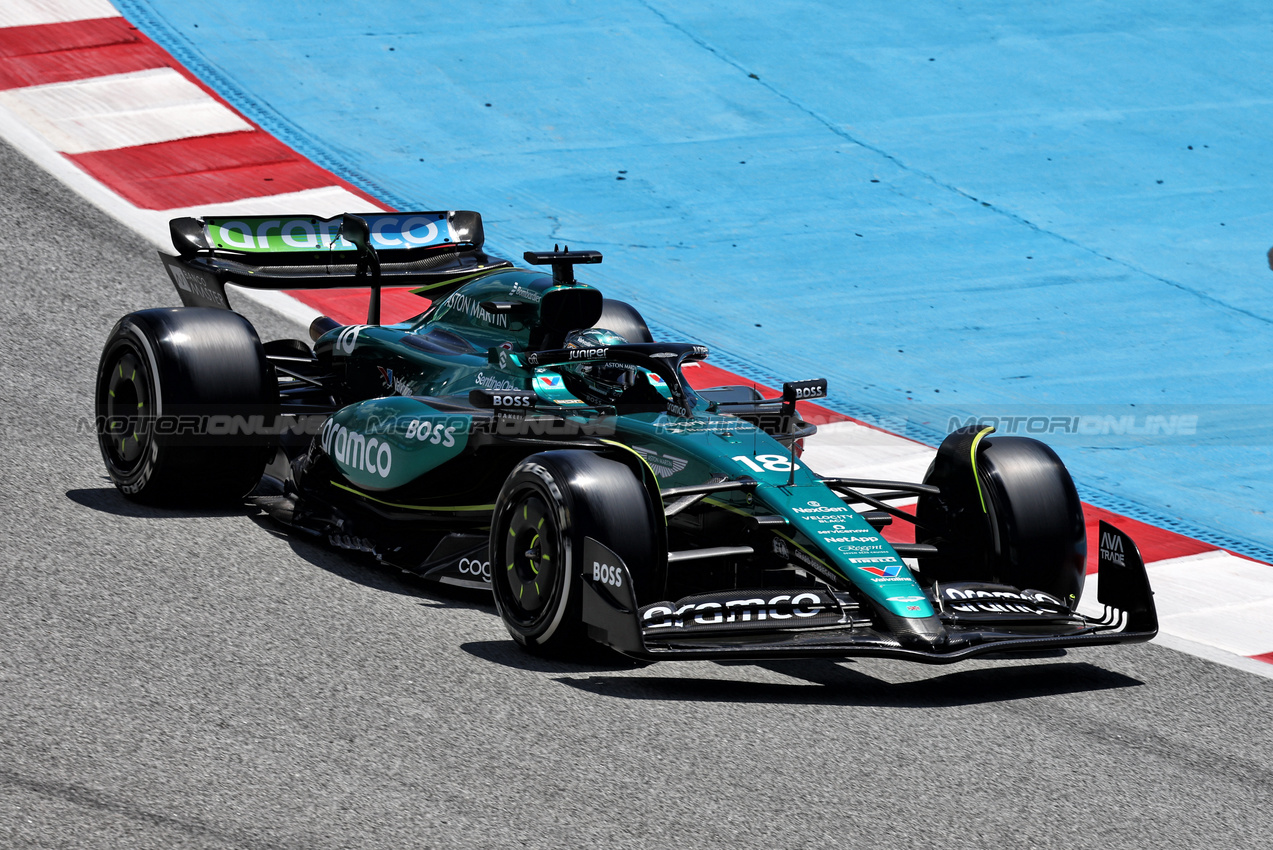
1219	656
1211	599
1211	582
28	13
1240	629
120	111
847	449
325	203
152	225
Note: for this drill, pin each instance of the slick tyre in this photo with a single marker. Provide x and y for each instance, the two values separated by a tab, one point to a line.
548	505
176	391
623	319
1030	533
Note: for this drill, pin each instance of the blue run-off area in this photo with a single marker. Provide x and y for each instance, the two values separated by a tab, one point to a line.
1058	212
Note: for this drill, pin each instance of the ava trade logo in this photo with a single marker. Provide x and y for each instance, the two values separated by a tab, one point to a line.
884	572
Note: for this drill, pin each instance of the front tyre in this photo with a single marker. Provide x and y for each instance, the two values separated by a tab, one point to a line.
176	390
1013	516
548	505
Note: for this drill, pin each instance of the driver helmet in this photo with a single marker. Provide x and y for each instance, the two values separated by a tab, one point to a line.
609	379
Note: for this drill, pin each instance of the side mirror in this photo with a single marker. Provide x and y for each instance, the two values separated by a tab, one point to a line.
354	228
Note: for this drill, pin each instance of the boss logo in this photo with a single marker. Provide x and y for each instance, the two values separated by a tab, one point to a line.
797	390
607	574
512	400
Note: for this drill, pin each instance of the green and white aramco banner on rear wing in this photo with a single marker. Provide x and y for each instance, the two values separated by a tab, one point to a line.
274	234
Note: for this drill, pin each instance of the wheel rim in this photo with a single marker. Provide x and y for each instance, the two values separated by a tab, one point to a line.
126	404
530	563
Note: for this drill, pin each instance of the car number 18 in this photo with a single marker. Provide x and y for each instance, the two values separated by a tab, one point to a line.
766	463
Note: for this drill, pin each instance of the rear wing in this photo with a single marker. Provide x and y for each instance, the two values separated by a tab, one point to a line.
432	251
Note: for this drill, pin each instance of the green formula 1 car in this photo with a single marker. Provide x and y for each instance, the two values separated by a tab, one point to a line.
527	435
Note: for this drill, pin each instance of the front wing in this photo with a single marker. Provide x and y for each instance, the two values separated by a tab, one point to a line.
804	622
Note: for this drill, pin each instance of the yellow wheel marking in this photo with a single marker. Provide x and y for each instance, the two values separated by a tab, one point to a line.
976	441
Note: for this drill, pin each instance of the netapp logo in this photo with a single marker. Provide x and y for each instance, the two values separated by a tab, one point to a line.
780	607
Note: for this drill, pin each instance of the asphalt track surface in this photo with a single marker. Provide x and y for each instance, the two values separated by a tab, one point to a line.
175	679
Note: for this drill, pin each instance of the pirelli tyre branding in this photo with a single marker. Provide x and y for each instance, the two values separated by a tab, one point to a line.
742	610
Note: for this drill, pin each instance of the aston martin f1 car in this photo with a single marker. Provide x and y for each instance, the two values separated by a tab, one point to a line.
525	434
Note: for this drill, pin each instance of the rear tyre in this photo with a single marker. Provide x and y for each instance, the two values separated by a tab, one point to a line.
174	388
1031	532
548	505
623	319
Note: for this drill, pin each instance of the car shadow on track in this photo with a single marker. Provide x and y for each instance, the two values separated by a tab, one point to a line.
509	654
109	500
851	683
365	570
